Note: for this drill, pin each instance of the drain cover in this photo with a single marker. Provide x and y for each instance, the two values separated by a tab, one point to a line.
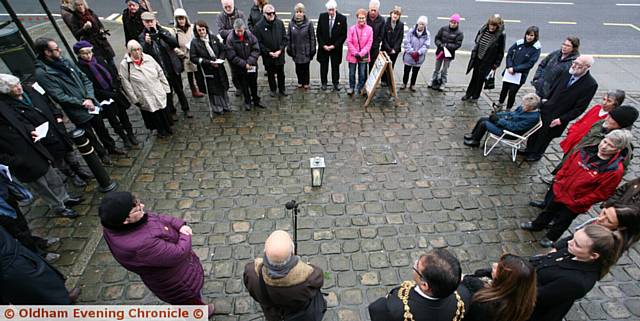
379	155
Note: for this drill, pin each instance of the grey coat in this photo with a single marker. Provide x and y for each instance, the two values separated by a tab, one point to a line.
302	41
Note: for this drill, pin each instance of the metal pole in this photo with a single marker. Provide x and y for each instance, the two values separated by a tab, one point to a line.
19	24
295	230
52	19
88	153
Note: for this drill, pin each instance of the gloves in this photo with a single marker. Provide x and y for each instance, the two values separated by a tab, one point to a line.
415	55
493	118
358	57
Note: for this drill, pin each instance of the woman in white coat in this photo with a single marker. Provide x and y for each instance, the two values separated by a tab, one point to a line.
146	86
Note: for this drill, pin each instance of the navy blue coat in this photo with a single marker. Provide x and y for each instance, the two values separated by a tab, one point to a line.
522	57
517	121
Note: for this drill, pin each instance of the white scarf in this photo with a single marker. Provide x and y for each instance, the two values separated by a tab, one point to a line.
208	46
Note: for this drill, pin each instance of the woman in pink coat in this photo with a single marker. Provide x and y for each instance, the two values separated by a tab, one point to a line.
359	40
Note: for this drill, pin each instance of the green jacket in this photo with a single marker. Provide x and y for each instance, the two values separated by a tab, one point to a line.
68	91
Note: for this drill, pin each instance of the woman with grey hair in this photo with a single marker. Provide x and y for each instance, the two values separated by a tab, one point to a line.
242	51
416	42
85	25
146	86
302	44
575	133
518	121
588	176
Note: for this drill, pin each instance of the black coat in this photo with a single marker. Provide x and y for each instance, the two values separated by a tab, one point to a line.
162	46
57	141
549	69
217	80
392	38
560	282
27	160
567	103
26	278
338	37
390	308
377	25
449	38
494	54
302	41
115	92
132	24
255	16
241	53
272	36
96	35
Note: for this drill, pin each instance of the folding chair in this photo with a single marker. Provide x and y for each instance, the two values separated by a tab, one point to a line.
510	139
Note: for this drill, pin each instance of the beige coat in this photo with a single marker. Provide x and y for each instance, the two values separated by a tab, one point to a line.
144	84
184	40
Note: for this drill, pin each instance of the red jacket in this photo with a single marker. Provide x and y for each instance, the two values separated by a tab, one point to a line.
581	183
581	127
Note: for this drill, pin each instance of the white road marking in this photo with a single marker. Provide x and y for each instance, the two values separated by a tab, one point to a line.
526	2
628	4
447	18
30	14
562	22
113	16
630	25
512	20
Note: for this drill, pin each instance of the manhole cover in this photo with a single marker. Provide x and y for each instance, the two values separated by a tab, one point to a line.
379	155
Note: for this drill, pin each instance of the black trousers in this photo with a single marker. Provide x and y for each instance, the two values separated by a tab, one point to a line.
175	82
195	78
511	90
302	72
94	130
273	72
538	142
18	227
556	212
480	72
248	82
117	116
413	70
387	78
335	70
373	53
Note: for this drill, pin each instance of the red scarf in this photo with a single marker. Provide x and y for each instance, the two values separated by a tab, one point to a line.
241	37
137	62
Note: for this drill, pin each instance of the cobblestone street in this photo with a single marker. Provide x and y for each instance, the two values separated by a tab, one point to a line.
231	176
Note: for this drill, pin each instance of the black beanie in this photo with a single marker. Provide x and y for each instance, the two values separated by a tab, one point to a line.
115	208
624	115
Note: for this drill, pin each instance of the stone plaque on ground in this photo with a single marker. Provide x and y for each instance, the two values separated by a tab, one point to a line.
379	155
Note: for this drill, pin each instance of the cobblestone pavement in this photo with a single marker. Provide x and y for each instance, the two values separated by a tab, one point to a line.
231	176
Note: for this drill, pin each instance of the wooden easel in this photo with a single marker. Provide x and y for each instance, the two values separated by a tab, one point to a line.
382	63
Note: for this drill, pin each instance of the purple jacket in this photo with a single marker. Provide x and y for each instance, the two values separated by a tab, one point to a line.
161	256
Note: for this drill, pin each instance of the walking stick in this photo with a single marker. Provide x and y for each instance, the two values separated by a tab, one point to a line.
206	86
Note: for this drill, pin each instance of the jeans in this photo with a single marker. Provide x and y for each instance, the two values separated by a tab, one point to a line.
362	75
442	69
413	70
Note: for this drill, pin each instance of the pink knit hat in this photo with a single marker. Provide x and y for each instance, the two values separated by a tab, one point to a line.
455	17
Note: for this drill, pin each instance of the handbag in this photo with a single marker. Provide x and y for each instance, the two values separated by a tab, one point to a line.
366	56
490	81
314	311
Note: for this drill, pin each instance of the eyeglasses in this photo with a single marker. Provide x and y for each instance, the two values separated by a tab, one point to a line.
415	269
269	13
54	49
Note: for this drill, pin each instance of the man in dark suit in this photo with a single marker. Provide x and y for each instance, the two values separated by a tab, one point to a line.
569	97
331	35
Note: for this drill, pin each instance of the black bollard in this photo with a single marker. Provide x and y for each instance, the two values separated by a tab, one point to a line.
95	165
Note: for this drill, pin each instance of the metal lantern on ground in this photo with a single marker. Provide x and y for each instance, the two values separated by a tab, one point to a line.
317	171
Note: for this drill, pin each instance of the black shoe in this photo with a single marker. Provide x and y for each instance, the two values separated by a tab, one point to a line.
546	242
51	257
284	94
117	151
259	105
74	294
522	152
468	136
132	139
238	93
77	181
247	107
188	114
106	160
69	213
125	141
273	93
538	204
528	226
336	87
465	98
471	142
73	200
533	158
323	86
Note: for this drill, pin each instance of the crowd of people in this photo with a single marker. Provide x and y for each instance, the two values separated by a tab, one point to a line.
597	150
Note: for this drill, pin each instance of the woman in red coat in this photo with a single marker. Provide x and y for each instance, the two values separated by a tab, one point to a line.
611	100
156	247
590	175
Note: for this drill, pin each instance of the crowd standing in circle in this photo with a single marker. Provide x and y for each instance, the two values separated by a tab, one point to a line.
597	150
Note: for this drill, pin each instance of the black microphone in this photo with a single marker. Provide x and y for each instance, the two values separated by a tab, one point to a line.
292	204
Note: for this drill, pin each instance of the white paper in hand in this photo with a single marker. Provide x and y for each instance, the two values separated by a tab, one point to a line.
36	86
41	131
95	111
447	53
218	61
106	102
5	170
252	69
514	79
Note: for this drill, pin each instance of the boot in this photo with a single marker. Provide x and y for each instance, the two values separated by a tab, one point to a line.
195	92
125	140
132	138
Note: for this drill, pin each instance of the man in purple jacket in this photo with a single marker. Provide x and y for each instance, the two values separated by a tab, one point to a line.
156	247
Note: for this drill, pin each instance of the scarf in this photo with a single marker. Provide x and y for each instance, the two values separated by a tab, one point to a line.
280	271
102	75
87	16
207	45
58	65
241	37
26	100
